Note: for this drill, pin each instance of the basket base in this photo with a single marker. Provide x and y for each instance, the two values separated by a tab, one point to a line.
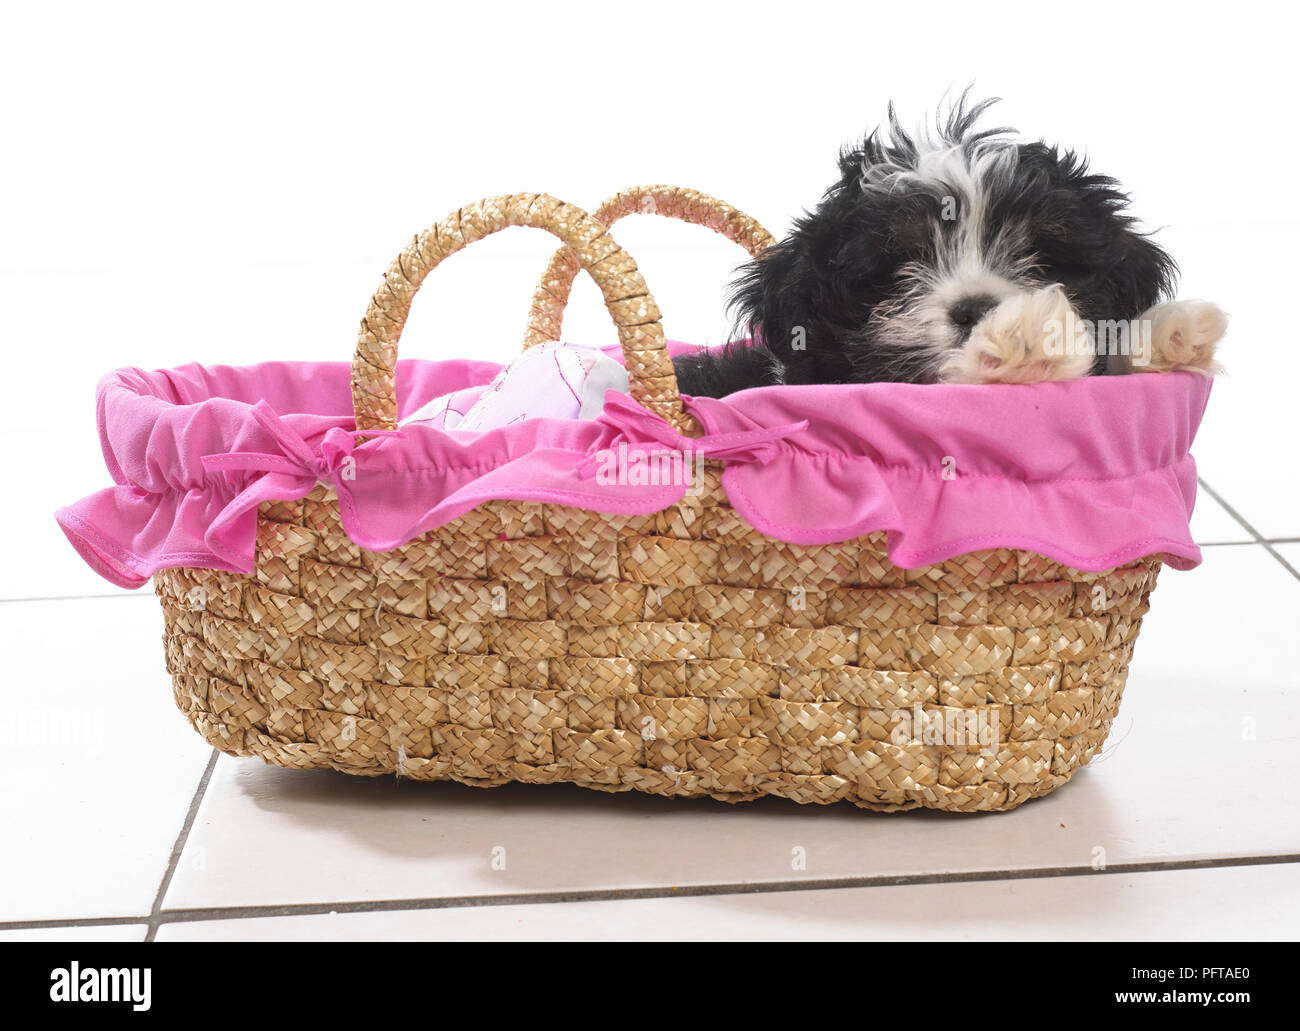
805	789
684	656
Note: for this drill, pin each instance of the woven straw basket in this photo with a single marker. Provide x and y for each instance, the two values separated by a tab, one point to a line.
663	653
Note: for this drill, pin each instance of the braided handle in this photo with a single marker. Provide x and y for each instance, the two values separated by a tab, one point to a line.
650	370
546	317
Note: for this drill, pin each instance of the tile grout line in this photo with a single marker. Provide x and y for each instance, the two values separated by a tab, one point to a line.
73	921
1259	538
179	846
222	913
723	889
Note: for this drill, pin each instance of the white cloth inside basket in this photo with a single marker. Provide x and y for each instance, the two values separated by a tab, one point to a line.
551	381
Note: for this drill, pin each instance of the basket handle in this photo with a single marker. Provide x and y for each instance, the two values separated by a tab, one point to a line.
546	317
650	370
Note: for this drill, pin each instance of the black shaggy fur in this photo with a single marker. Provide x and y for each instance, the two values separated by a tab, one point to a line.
852	262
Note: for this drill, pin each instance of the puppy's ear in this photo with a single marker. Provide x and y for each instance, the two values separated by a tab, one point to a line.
1144	274
787	301
1086	216
768	297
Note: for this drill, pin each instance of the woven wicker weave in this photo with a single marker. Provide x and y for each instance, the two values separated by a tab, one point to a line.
678	653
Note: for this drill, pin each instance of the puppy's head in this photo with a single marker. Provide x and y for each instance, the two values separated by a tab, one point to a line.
924	234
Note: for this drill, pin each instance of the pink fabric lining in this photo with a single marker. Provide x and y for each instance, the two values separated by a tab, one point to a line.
1092	473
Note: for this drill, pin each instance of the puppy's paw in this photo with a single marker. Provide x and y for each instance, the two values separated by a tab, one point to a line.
1023	340
1184	335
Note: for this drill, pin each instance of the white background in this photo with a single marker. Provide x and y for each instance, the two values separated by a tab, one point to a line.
226	183
167	143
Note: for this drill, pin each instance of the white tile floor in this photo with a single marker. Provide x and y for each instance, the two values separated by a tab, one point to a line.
123	824
1232	903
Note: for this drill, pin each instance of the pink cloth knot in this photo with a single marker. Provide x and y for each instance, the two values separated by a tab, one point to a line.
296	458
637	426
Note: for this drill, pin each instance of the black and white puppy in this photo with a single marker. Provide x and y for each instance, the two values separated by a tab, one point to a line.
958	255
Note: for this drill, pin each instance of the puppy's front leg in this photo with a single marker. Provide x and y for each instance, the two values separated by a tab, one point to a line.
1031	337
1183	335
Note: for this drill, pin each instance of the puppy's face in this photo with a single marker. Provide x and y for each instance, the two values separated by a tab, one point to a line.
921	238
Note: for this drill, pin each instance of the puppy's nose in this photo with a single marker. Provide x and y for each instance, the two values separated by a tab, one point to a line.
968	311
